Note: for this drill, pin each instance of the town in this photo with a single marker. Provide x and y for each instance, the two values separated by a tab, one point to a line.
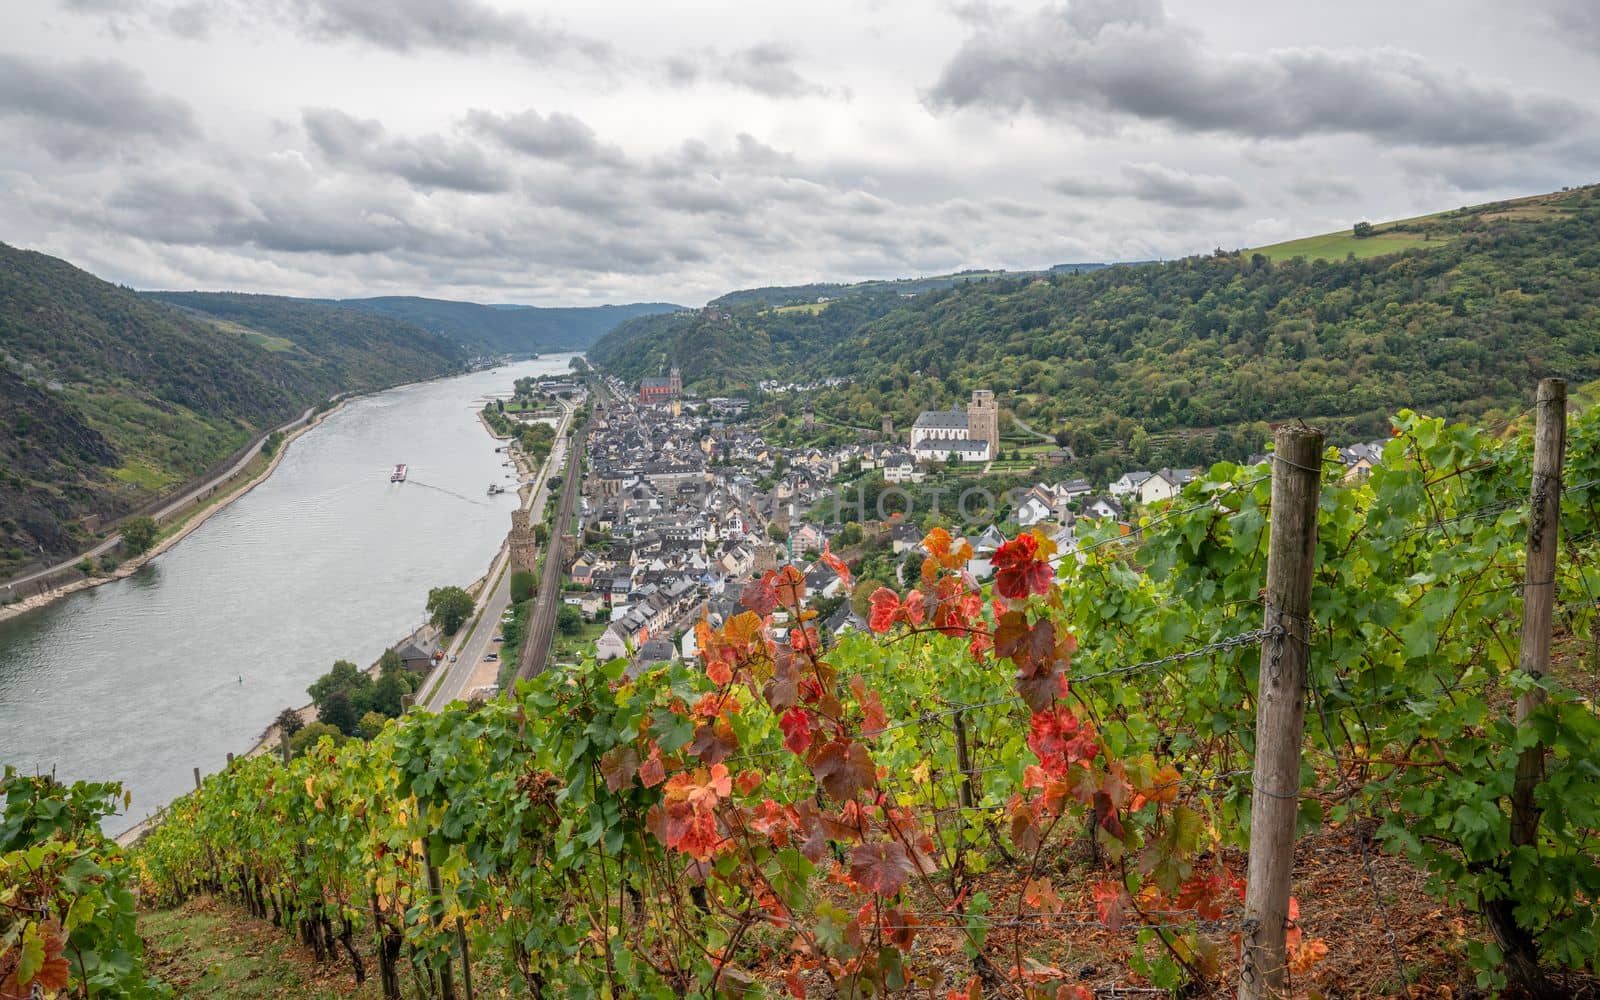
685	501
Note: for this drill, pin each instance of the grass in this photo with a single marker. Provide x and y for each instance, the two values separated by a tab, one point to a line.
810	308
1337	246
1404	234
206	949
144	476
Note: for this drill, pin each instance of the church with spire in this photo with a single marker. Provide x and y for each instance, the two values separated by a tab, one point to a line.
657	391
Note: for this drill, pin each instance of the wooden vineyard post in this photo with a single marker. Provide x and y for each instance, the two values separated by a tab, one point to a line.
1280	709
1538	591
1533	658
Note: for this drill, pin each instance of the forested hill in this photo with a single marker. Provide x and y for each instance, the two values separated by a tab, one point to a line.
109	399
1490	299
721	347
510	329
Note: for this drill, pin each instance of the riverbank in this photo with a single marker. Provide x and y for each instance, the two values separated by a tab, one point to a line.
195	517
187	524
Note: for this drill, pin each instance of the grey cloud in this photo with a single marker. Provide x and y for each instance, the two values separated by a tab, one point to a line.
88	108
453	25
1127	61
1160	184
766	69
1577	20
396	25
556	136
427	162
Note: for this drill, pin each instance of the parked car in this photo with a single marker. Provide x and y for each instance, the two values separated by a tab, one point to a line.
491	657
499	638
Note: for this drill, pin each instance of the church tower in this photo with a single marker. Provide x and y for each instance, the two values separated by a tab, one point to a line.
675	381
983	420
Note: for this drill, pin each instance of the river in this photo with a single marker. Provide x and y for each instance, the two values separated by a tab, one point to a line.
143	679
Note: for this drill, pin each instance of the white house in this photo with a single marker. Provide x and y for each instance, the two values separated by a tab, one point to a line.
1164	485
901	469
611	645
1128	484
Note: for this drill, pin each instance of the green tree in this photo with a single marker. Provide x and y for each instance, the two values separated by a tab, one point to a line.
850	534
345	676
569	620
776	533
138	534
339	710
1362	230
448	607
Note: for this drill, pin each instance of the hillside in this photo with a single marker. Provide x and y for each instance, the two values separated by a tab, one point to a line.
789	295
732	348
109	399
1184	361
509	329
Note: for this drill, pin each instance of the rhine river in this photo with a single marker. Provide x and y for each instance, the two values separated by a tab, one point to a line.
143	679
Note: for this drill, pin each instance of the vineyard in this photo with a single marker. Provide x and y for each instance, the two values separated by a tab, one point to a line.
952	805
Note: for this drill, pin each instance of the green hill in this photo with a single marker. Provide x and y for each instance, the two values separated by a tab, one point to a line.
109	399
1196	354
509	329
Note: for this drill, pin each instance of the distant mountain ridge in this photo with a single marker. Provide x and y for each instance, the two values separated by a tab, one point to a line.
507	328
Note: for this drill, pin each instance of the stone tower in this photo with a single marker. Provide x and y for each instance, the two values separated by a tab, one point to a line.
522	546
983	420
888	426
811	417
675	380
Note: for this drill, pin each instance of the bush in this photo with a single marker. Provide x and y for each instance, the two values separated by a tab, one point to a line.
522	585
370	725
138	534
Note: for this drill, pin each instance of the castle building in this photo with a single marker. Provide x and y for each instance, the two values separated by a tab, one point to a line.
972	434
655	390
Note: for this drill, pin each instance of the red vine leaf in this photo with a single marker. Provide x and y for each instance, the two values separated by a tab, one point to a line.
618	766
844	768
796	726
881	867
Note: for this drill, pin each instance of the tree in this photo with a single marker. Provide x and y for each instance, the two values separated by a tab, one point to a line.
311	735
345	677
339	711
776	533
850	534
569	620
448	607
138	534
385	696
289	722
389	663
1362	230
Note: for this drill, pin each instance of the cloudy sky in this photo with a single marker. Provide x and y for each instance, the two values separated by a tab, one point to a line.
615	150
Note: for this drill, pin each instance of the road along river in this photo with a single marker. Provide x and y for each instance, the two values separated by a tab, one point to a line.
190	658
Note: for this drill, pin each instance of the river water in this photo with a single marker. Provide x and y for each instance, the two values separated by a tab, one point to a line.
190	658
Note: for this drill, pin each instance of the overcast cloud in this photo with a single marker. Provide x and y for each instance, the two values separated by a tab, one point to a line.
517	151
